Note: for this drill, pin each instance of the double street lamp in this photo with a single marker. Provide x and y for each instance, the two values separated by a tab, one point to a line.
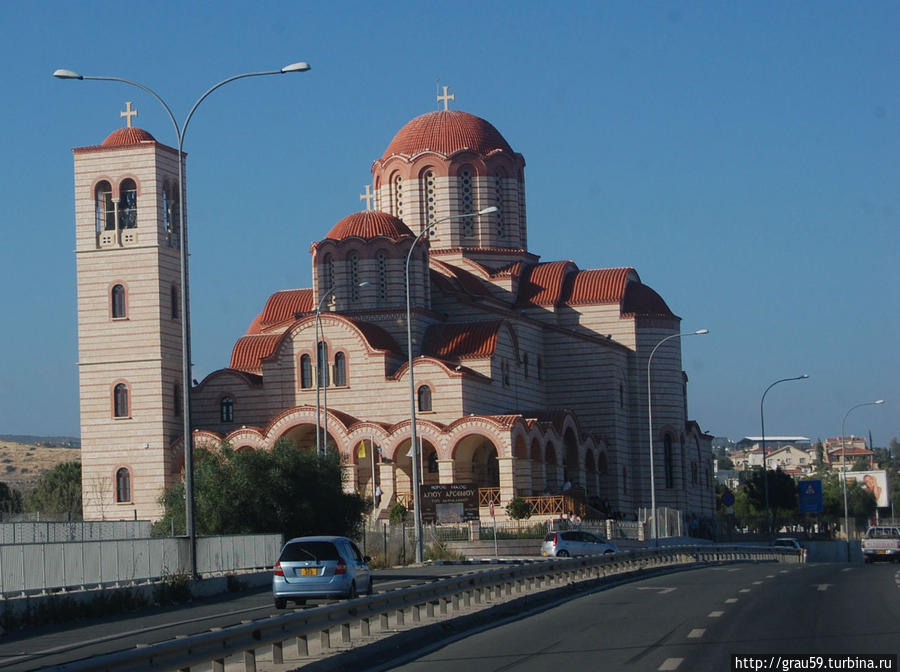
762	422
185	314
322	368
655	527
844	469
414	449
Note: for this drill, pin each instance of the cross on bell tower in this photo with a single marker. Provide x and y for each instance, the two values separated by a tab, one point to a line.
129	113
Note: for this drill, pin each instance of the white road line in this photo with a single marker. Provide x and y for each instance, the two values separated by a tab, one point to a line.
784	571
757	583
822	587
847	569
744	590
770	576
715	614
670	664
736	569
696	633
731	600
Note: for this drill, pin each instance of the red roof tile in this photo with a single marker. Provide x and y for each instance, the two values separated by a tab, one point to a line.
282	306
249	352
127	136
369	225
542	284
447	132
461	341
599	285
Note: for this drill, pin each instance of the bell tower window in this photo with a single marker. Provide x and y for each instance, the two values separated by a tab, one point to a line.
120	401
467	201
397	196
382	276
118	302
106	211
498	202
354	277
127	204
430	200
123	485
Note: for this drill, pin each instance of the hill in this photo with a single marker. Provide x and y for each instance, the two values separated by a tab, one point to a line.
24	459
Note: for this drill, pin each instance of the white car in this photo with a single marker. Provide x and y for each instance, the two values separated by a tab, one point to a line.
563	543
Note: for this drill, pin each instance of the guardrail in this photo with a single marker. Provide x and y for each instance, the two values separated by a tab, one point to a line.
437	598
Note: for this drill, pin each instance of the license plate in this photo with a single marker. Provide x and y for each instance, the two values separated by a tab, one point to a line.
881	552
309	571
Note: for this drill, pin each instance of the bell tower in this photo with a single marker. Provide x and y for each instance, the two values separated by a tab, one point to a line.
127	251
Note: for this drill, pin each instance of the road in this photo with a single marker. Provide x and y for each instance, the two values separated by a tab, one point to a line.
58	644
693	620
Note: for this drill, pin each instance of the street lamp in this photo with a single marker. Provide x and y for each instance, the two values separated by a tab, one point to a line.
414	450
844	469
322	447
183	269
655	528
762	423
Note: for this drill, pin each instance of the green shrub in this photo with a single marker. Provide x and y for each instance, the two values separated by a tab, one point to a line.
518	509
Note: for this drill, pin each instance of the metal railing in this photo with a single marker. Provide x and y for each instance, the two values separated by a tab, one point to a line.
435	599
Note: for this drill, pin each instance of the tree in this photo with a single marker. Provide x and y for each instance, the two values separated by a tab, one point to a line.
251	491
57	491
518	509
782	495
725	463
10	499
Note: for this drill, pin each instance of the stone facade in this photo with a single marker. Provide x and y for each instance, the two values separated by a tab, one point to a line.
528	375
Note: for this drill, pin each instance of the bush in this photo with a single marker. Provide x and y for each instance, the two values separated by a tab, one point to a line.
518	509
398	513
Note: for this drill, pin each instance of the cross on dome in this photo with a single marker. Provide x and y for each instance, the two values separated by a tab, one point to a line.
368	197
445	98
129	113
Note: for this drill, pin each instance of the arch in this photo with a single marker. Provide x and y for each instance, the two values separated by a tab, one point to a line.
475	460
123	485
104	207
365	455
538	473
118	304
127	204
303	436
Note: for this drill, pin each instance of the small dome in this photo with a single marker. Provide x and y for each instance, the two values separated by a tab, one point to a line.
447	132
370	224
127	136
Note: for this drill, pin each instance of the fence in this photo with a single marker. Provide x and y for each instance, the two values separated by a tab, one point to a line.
79	565
433	600
45	532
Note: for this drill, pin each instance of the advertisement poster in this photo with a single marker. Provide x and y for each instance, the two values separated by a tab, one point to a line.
875	482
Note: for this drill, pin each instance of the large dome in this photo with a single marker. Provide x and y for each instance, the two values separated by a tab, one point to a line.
130	135
370	224
447	132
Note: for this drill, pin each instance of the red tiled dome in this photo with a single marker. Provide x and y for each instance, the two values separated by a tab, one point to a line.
369	224
127	136
447	132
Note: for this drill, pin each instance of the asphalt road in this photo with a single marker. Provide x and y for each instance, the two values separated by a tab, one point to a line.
58	644
693	620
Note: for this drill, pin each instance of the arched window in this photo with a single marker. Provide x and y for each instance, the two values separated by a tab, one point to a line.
118	301
397	196
305	372
424	398
173	298
177	399
429	200
127	204
103	204
354	276
669	462
171	213
382	276
326	277
322	364
466	185
123	485
226	409
120	401
498	202
340	369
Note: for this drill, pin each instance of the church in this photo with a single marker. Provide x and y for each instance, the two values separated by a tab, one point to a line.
528	377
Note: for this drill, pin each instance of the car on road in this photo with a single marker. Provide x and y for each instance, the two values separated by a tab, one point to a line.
788	542
320	567
882	542
565	543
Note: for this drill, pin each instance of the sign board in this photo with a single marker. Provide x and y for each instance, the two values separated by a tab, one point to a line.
809	497
875	482
449	502
728	499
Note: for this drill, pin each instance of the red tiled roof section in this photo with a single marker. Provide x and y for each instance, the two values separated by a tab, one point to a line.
542	284
599	285
461	341
447	132
369	225
127	136
639	299
249	352
282	306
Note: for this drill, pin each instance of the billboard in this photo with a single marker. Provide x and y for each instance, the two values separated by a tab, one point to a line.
449	502
875	482
809	497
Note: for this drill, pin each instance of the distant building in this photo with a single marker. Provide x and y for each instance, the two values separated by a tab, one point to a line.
844	456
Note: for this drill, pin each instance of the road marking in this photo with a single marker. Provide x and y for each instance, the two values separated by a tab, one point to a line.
696	633
784	571
670	664
731	600
744	590
822	587
847	569
661	590
757	583
715	614
770	576
736	569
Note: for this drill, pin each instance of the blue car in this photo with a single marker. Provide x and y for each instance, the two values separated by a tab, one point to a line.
320	567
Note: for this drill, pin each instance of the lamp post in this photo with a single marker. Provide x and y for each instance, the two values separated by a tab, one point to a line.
655	529
762	423
414	450
183	269
844	469
321	367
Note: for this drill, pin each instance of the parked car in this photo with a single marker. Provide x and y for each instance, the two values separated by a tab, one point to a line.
788	542
562	544
320	567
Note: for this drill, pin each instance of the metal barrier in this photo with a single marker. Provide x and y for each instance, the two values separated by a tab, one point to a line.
437	598
81	565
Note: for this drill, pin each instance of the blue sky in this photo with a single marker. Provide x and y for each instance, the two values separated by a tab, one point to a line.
743	157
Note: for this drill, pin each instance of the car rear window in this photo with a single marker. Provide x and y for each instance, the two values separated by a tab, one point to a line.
550	536
309	550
